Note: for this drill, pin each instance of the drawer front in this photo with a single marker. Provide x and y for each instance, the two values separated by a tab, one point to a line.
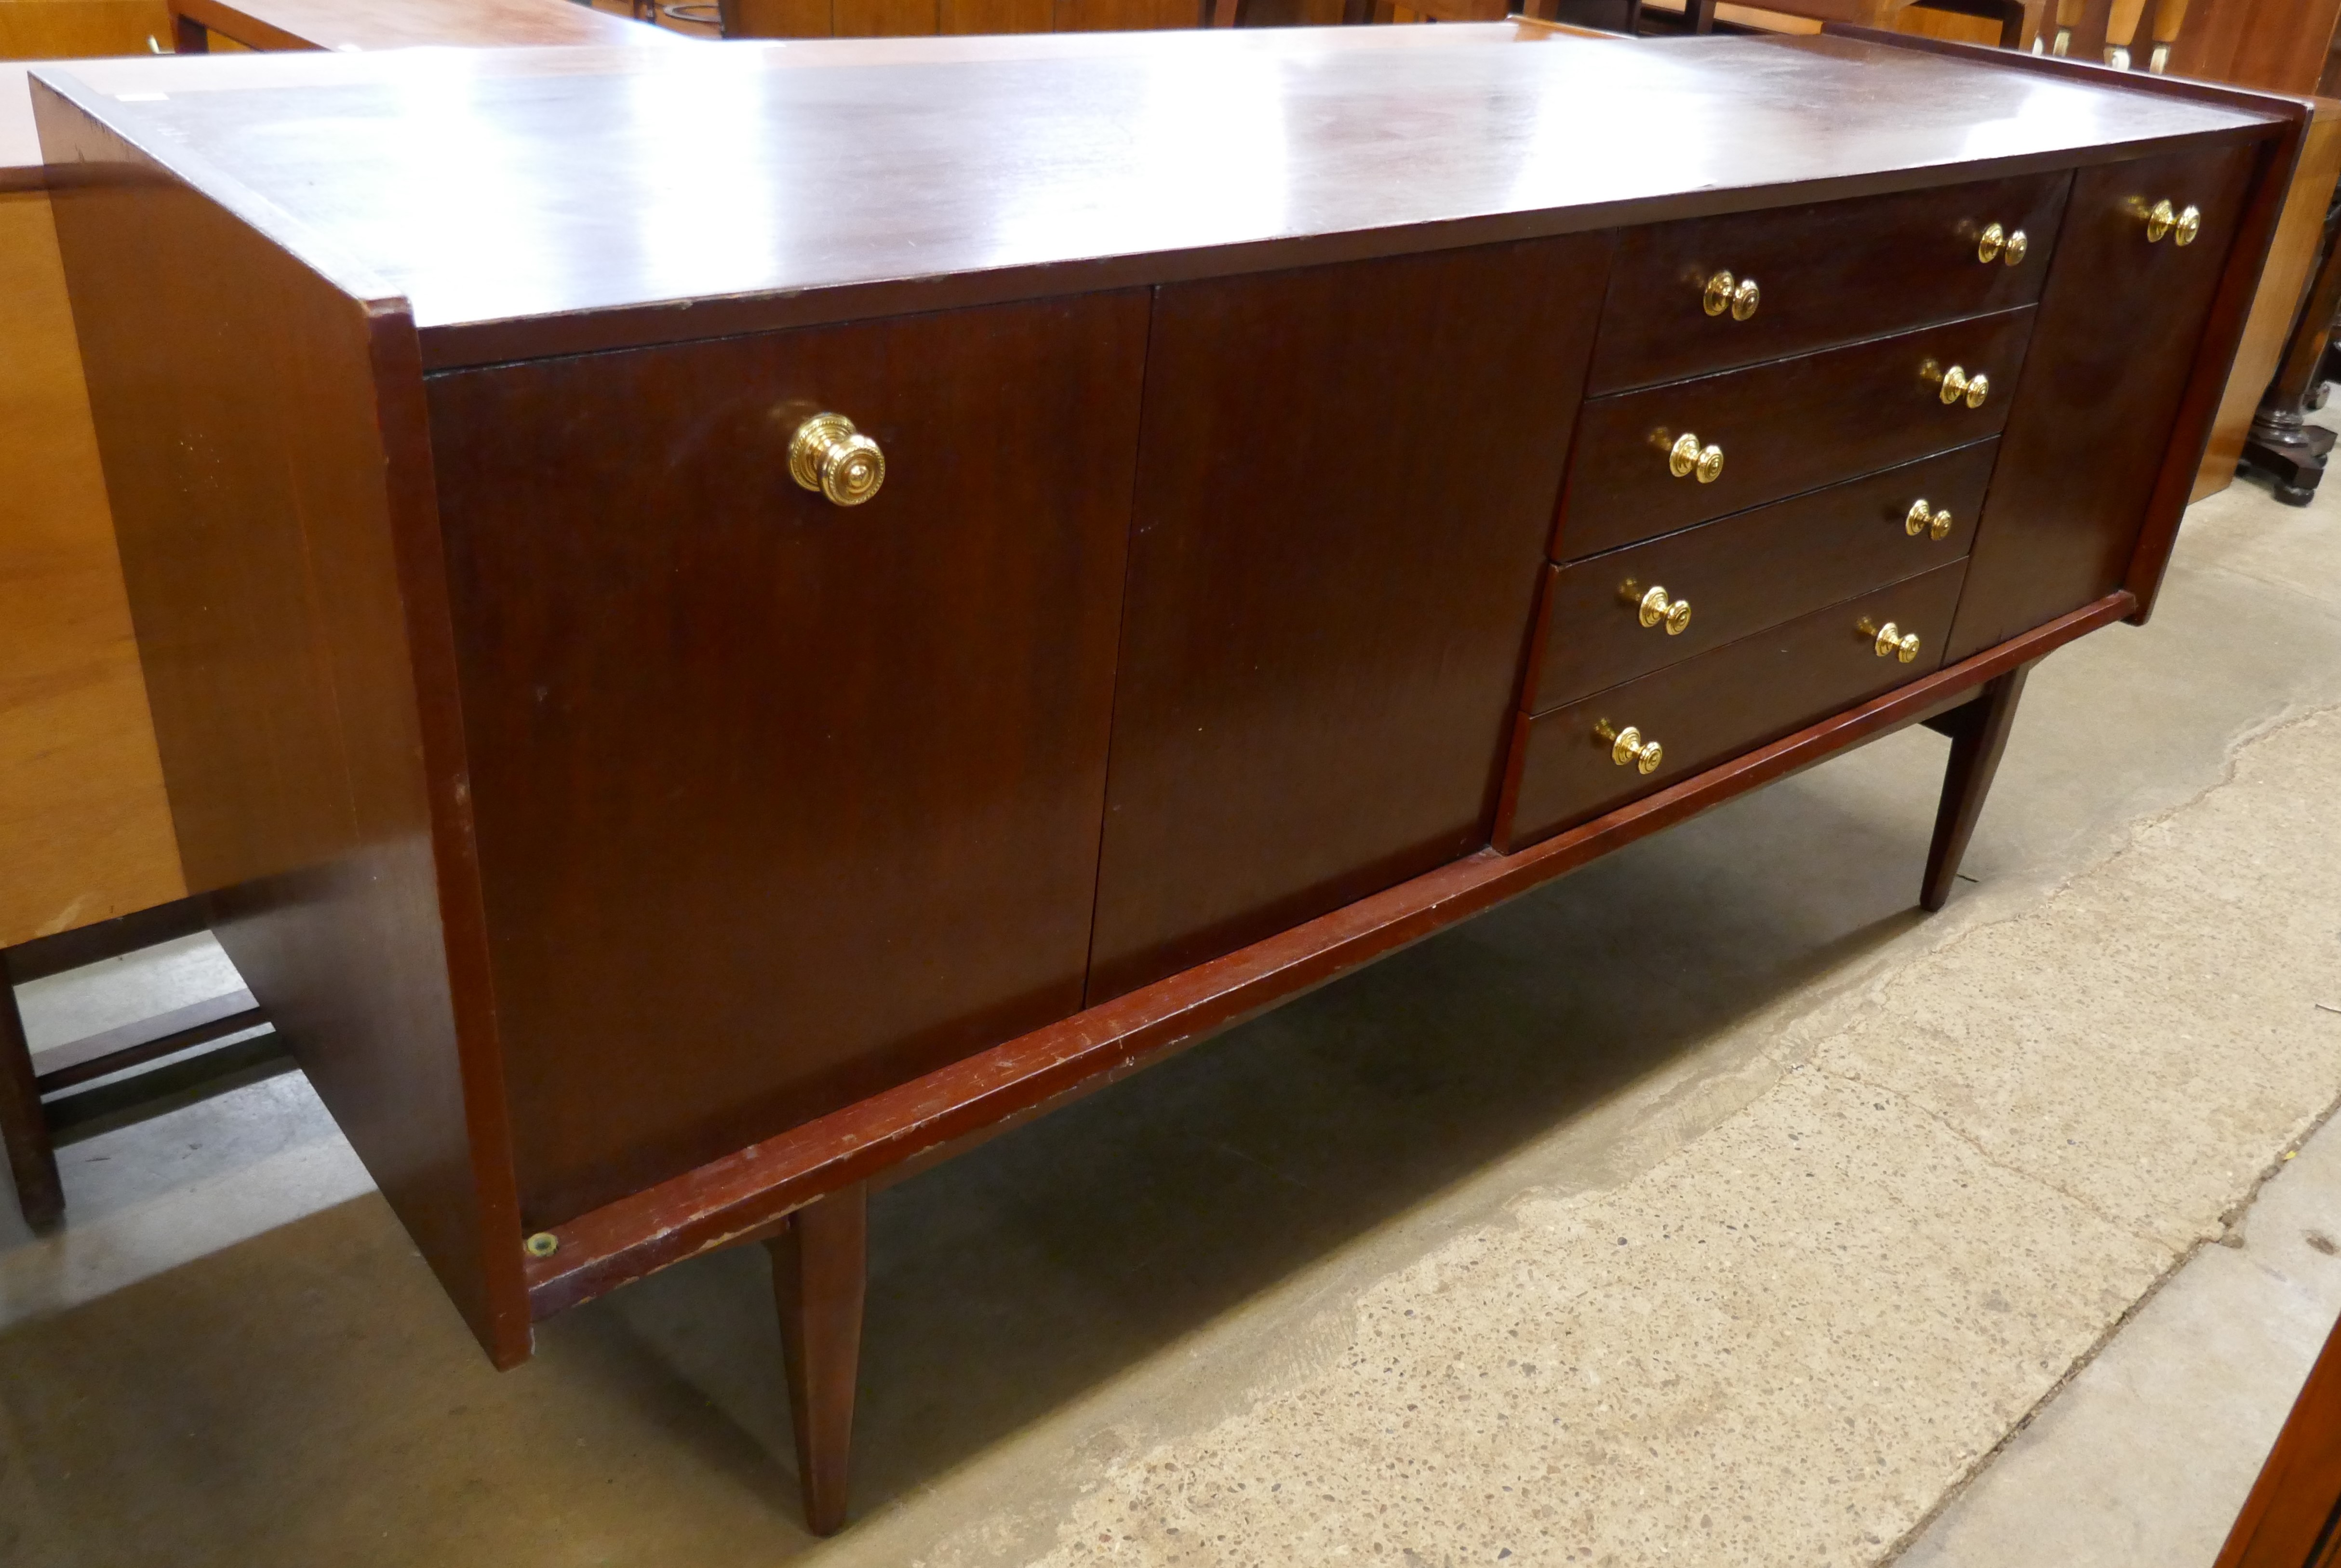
1826	274
1739	575
1711	708
1781	429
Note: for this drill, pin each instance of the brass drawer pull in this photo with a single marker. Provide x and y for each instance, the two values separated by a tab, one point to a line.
1687	457
2182	226
1890	639
1740	296
1627	746
1654	608
1956	385
1935	524
828	457
1997	244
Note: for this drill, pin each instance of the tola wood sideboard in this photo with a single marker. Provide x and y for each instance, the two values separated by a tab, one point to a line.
736	619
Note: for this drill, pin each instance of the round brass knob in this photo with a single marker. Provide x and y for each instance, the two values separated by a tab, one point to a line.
1979	388
1717	297
1627	746
829	456
2017	246
1915	521
1954	384
1747	297
2189	224
1654	607
2159	219
1990	243
1686	458
1890	639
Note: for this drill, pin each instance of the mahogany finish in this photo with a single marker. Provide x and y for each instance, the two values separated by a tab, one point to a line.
745	762
647	850
1829	273
1721	704
23	1127
1788	426
2091	421
1978	733
1306	525
1745	573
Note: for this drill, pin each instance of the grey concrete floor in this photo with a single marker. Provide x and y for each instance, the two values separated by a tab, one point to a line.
1711	1204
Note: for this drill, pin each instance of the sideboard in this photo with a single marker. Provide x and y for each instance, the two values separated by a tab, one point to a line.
715	680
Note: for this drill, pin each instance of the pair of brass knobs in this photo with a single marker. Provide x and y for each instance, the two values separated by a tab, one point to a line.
1955	385
1888	639
2181	225
1740	296
829	457
1998	245
1935	522
1626	746
1687	457
1653	607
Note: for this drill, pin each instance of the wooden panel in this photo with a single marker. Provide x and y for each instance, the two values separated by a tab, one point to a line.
883	18
1329	591
2275	305
1746	572
1784	427
2116	340
1829	273
363	25
997	15
1118	15
1718	704
263	451
777	19
67	29
85	826
780	802
2276	45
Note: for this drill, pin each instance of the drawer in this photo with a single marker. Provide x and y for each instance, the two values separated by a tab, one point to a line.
1780	429
1707	710
1756	569
1826	274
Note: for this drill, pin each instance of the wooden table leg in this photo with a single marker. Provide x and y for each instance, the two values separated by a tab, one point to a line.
1978	734
23	1126
188	36
820	1275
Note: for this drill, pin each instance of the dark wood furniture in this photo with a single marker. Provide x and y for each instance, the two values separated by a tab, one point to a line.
649	839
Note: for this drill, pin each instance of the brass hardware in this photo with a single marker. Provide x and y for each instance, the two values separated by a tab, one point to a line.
1687	457
1933	522
1956	384
1890	639
2162	219
1654	607
2017	246
1990	243
1740	296
829	456
542	1244
1627	746
2160	61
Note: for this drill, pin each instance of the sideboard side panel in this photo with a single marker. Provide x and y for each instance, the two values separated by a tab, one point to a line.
1346	479
261	433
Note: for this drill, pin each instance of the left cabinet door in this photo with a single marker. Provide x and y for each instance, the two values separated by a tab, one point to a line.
781	803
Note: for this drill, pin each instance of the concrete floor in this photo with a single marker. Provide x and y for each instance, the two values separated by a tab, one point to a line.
1710	1206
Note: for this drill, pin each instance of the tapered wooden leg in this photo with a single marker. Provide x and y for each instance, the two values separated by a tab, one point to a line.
1978	734
820	1275
23	1127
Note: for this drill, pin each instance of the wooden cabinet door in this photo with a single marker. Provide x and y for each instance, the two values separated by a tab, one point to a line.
1346	479
2113	343
782	802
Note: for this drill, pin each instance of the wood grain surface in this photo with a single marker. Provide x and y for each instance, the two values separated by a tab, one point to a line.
1205	154
1343	494
781	804
84	826
1793	426
1745	573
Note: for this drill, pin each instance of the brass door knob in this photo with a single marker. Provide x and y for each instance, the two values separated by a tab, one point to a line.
2181	225
1627	746
1997	244
1888	639
1687	457
829	456
1740	296
1654	608
1955	385
1935	522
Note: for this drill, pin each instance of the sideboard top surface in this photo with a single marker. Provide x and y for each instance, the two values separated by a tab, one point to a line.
536	201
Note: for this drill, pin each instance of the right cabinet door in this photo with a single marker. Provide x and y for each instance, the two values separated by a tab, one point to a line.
2113	343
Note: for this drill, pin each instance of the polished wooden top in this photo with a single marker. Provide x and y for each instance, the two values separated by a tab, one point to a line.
685	193
347	25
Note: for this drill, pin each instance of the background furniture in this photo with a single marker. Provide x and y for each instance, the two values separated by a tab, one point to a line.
675	769
402	23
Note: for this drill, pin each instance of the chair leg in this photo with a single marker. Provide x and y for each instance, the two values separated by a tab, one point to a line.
23	1127
819	1275
1978	734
